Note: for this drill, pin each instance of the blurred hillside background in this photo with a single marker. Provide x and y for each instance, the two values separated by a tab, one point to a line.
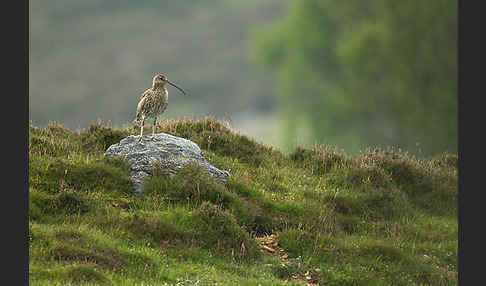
353	73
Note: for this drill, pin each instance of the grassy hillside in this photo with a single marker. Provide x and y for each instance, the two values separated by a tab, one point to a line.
313	216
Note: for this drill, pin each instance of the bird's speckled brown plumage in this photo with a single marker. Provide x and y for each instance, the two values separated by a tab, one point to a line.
153	102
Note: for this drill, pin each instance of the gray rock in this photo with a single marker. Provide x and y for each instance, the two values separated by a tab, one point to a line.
171	151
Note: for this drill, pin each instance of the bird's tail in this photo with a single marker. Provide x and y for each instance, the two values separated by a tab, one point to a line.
138	119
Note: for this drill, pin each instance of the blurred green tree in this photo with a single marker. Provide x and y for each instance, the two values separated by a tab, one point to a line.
366	72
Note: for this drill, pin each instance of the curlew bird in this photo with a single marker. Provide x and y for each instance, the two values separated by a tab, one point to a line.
153	102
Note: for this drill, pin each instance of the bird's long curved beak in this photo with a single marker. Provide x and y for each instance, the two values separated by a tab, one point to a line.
177	87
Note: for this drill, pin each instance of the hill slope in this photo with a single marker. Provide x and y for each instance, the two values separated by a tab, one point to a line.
321	217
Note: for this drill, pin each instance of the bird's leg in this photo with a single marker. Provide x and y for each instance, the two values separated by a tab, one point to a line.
141	129
154	126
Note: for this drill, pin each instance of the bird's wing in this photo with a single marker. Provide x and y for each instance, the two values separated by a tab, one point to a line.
144	93
140	105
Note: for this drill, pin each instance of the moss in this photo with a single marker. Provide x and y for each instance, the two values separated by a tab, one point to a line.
40	204
65	203
192	183
55	175
87	273
69	245
295	241
385	253
376	204
219	228
71	236
349	223
157	228
72	203
78	274
104	257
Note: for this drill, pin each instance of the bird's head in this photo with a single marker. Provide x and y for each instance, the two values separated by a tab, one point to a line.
161	80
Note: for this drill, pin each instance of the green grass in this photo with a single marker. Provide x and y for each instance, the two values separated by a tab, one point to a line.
379	218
